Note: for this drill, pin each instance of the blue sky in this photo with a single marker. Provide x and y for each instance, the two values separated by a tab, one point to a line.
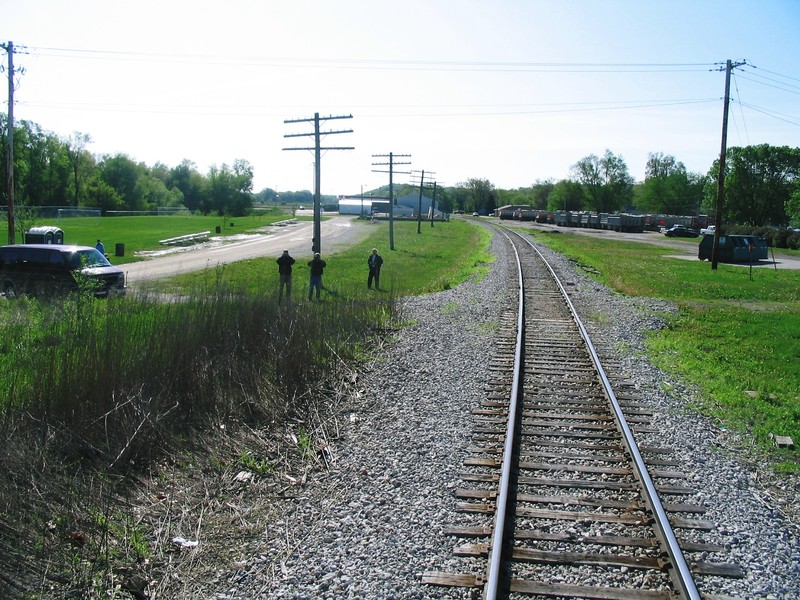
509	91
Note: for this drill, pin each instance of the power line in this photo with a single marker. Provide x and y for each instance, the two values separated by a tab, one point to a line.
792	120
380	64
774	73
792	89
447	110
738	95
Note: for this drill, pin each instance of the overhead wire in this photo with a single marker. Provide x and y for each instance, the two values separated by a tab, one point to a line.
455	66
778	81
446	110
384	64
741	110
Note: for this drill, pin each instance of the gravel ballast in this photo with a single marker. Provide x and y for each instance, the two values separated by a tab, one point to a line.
371	524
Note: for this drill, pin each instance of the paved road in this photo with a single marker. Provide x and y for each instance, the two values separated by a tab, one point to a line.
337	232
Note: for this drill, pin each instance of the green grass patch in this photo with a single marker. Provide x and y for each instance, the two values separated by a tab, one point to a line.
140	233
437	259
736	337
640	269
744	361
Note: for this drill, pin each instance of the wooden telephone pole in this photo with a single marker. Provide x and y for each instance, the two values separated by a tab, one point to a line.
391	156
9	48
419	203
729	66
316	242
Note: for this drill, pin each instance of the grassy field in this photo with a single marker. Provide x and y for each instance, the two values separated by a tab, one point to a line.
170	351
438	258
144	233
736	338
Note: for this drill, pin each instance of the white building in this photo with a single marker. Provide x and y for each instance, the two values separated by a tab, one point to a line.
405	206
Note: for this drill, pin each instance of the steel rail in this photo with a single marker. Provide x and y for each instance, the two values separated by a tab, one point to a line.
685	580
492	585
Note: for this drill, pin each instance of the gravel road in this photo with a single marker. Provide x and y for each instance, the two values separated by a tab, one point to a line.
371	524
295	236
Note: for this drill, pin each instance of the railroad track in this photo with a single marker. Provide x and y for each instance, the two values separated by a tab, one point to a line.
563	497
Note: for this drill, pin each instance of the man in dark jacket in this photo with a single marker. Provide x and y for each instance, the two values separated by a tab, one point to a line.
285	263
374	262
317	265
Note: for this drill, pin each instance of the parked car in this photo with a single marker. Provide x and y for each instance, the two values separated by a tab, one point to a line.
681	231
53	269
708	230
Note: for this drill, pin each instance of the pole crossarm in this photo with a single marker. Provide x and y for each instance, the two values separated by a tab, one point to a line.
425	178
323	148
391	156
317	118
287	135
316	242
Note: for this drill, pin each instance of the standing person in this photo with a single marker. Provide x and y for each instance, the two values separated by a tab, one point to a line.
100	248
285	263
317	265
374	261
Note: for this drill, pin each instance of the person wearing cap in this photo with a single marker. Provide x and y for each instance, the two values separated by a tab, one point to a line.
374	262
285	263
317	265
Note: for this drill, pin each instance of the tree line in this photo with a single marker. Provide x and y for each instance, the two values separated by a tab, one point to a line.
50	170
761	183
762	188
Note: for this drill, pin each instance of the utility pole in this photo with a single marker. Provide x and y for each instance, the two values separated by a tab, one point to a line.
729	66
316	242
391	156
9	48
433	203
419	203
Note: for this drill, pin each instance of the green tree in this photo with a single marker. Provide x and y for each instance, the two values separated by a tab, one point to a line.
793	205
80	161
230	189
122	174
42	172
192	185
515	197
566	195
458	197
540	193
607	186
669	188
479	195
103	196
760	182
444	200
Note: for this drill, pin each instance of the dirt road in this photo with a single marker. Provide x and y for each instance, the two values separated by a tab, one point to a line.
336	232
